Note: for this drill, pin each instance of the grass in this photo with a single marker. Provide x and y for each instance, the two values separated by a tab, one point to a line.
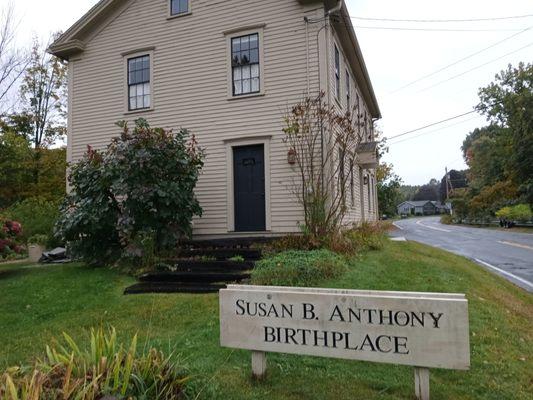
39	303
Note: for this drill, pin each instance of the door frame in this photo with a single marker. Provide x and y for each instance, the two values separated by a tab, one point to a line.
240	142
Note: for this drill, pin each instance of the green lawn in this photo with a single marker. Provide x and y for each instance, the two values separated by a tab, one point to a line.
39	303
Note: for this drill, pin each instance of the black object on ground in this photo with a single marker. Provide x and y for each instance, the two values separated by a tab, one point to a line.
56	256
202	267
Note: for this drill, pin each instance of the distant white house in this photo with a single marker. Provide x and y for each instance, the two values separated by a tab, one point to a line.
423	207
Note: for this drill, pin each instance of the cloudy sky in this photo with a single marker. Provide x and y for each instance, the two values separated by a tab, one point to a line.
396	58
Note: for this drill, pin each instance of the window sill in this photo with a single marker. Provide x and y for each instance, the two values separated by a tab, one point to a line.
246	96
179	15
142	111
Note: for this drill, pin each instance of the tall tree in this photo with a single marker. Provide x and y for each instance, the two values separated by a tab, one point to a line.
388	185
43	94
12	60
456	179
429	191
508	104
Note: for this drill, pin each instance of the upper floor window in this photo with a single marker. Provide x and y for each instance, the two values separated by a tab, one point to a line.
245	64
179	7
348	92
337	73
139	85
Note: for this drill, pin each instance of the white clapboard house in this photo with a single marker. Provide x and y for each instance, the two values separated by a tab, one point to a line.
170	62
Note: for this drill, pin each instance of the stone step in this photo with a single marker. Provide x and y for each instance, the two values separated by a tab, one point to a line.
211	266
170	287
221	254
194	276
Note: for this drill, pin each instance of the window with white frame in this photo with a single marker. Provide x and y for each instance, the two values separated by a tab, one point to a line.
178	7
337	73
139	85
348	92
245	66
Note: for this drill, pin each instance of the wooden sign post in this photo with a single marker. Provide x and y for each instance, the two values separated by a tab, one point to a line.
425	330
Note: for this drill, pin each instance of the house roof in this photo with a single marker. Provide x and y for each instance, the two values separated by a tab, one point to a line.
418	203
74	39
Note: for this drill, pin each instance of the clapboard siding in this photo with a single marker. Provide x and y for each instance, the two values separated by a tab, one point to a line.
190	89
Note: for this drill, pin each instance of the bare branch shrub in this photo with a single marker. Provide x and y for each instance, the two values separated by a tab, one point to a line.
323	143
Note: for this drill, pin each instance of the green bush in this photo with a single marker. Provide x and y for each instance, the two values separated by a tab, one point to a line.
106	368
298	268
41	240
137	193
446	219
37	216
520	212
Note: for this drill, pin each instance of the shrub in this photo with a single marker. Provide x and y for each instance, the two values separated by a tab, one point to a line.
368	236
298	268
520	212
38	216
11	246
446	219
140	190
106	368
41	240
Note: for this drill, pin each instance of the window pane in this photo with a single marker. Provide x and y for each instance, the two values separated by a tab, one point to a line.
133	91
133	103
254	56
255	85
236	44
147	101
237	74
179	6
245	43
246	72
184	6
146	75
255	71
254	41
146	88
246	86
237	87
245	57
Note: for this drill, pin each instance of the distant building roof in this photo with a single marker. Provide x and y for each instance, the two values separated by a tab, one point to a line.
420	203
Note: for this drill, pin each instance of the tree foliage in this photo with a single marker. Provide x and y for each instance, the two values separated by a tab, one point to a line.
499	155
430	191
388	186
141	186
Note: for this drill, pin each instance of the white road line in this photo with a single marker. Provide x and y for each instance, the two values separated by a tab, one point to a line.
501	271
522	246
419	222
397	226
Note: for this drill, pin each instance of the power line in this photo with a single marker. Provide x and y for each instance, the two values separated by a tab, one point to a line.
433	124
460	60
433	131
443	20
477	67
398	28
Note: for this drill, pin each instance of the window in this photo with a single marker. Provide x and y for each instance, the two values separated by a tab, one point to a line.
139	87
245	64
352	183
179	7
369	195
337	73
348	92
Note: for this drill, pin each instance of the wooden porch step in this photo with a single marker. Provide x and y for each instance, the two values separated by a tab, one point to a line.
222	254
170	287
196	277
211	266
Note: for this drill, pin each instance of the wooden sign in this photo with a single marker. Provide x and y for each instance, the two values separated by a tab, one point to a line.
425	330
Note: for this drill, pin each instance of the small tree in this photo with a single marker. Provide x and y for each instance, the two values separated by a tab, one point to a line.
388	185
141	186
323	144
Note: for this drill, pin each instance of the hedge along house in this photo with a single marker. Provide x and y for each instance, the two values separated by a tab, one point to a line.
228	71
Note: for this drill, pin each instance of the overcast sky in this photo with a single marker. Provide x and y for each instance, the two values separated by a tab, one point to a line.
394	59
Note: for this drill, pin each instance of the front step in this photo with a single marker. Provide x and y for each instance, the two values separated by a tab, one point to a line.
196	277
212	266
169	287
233	243
221	254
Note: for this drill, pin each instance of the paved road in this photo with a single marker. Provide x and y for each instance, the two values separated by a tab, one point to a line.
507	253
